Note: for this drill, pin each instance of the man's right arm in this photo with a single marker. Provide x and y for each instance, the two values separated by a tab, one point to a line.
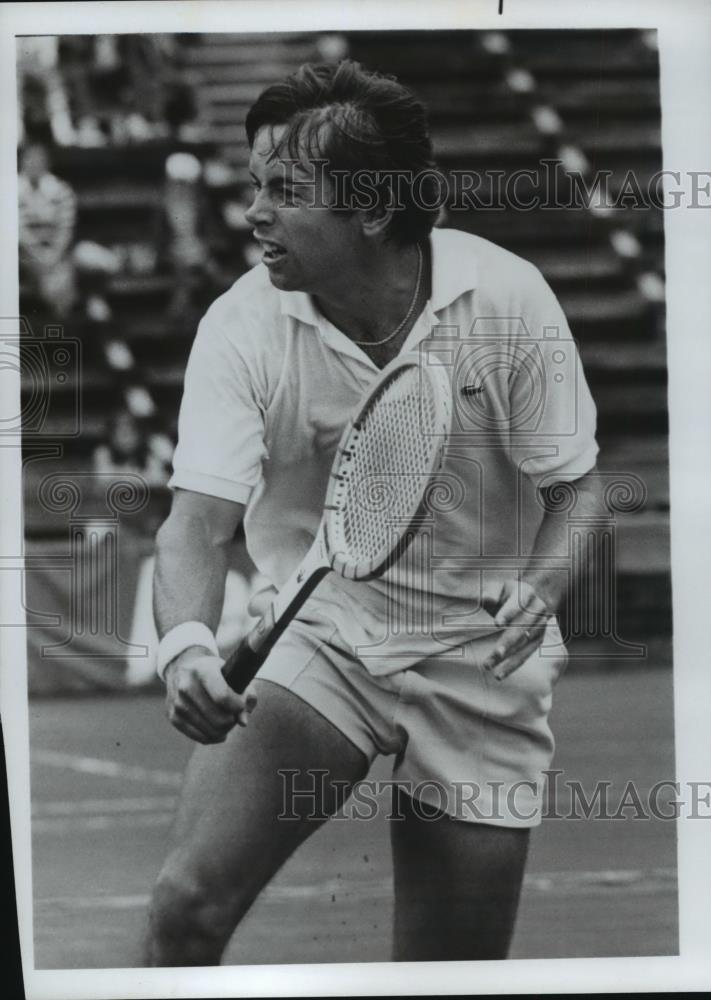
192	549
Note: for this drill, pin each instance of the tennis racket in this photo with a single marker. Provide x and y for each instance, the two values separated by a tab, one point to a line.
376	497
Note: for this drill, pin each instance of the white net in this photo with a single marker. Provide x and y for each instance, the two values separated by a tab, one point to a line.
386	467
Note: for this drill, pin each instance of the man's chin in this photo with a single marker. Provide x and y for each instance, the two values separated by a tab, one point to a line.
283	281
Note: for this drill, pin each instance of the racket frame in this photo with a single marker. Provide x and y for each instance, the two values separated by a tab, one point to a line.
381	562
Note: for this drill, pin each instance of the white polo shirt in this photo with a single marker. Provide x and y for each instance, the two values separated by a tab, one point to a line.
270	384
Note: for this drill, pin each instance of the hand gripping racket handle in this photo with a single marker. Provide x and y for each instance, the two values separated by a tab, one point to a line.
245	661
243	664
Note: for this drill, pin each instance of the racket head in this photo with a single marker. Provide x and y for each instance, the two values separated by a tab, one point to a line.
388	453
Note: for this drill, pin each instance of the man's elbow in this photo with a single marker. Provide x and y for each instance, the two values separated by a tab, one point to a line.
165	534
583	495
212	524
173	537
591	493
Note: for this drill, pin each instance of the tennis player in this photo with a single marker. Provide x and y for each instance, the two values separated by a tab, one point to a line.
448	663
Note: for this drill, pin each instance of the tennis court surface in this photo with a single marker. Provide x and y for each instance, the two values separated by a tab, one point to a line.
106	772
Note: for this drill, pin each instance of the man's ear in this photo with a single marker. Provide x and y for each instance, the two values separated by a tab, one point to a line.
375	222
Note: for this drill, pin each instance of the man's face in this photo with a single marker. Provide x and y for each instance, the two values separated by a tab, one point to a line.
307	247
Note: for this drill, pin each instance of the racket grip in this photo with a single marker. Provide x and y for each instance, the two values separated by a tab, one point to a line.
242	665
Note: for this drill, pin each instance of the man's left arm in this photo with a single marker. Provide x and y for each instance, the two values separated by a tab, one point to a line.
524	605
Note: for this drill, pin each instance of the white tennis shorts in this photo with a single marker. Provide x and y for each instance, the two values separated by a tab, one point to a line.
463	742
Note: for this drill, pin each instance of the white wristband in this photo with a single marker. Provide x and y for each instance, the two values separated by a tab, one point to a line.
180	638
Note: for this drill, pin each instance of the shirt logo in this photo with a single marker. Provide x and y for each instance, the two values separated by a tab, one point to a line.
471	390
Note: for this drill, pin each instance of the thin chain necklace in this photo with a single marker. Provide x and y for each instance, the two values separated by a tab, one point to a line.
401	326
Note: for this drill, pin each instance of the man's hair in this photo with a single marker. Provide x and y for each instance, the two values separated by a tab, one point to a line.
358	121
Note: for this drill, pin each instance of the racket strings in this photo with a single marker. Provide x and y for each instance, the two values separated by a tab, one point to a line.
387	465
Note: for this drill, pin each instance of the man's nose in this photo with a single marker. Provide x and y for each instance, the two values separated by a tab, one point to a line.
260	211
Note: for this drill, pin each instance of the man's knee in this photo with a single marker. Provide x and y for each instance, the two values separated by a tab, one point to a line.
196	905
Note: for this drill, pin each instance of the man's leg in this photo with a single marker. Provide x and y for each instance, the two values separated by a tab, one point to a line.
457	885
229	838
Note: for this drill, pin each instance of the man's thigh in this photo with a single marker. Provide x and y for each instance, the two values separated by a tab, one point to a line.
457	884
238	817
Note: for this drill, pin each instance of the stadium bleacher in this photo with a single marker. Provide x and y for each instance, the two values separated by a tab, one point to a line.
599	95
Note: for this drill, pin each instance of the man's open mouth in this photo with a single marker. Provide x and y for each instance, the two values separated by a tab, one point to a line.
272	251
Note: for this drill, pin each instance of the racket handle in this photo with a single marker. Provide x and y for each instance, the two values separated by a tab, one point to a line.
242	665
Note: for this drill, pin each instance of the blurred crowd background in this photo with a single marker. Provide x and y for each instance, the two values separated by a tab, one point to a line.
132	192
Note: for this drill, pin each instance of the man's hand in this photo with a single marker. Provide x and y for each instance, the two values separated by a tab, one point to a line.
520	612
199	702
260	601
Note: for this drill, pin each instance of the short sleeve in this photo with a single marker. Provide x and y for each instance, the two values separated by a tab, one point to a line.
221	427
553	416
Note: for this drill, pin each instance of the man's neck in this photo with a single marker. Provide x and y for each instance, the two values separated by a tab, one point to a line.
372	303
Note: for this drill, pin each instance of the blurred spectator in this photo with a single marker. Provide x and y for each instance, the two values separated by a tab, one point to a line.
47	215
124	88
149	61
179	104
43	109
96	90
196	272
182	109
81	57
49	266
129	448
